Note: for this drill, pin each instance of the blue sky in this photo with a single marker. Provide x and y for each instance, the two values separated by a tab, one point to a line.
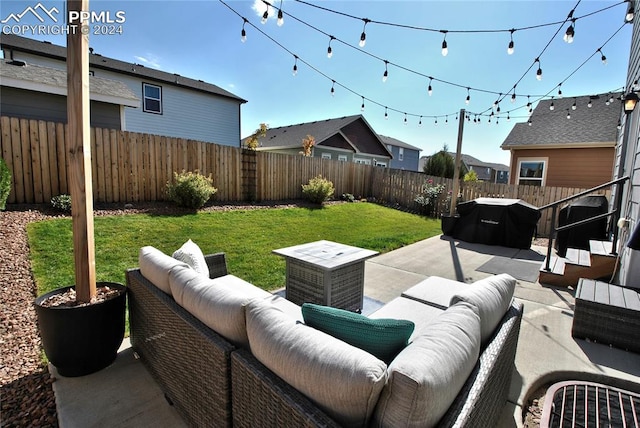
201	40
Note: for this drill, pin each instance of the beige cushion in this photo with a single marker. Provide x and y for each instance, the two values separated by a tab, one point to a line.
344	381
286	306
492	296
435	291
427	375
219	303
409	309
192	255
156	265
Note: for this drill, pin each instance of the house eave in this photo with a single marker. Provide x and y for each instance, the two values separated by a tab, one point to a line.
593	145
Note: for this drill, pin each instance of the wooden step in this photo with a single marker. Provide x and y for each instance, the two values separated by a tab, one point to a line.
567	271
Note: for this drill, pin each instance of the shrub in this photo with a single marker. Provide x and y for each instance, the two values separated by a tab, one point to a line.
190	189
5	184
427	199
61	203
471	176
318	190
348	197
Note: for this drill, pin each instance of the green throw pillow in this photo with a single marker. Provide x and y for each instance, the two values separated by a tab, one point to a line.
384	338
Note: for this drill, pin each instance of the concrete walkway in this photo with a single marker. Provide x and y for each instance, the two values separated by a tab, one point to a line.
124	394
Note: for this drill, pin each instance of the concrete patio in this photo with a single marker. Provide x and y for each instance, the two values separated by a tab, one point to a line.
125	395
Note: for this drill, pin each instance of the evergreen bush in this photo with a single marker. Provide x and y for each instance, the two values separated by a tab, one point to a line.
61	203
190	189
318	190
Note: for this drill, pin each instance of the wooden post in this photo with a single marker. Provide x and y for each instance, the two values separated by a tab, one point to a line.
79	149
456	172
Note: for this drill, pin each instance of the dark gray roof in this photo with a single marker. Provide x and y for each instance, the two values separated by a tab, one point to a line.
46	49
596	125
291	136
397	143
51	80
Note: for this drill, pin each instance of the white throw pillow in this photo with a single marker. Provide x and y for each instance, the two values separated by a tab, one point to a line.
492	296
426	377
192	255
344	381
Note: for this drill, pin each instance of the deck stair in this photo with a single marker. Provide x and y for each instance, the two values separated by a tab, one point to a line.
595	263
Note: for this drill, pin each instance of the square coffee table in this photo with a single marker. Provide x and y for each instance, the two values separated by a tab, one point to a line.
326	273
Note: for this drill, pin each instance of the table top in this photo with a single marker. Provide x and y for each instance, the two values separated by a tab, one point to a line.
591	290
326	254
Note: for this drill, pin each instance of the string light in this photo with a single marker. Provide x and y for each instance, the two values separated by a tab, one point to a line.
295	65
552	106
568	35
508	117
510	48
574	106
265	16
513	96
363	36
386	116
362	106
420	122
611	99
243	34
590	103
630	12
445	48
539	72
405	119
568	114
435	121
446	120
430	89
529	122
333	90
329	50
560	90
468	97
386	71
602	57
280	15
619	125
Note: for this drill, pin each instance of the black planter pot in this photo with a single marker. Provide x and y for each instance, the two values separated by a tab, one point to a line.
449	224
84	339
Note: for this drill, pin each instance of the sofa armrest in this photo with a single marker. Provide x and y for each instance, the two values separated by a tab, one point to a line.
217	264
261	398
484	395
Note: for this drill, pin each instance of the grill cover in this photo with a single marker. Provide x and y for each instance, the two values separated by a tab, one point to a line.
497	221
578	237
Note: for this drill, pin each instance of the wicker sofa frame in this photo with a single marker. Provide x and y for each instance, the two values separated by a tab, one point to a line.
213	383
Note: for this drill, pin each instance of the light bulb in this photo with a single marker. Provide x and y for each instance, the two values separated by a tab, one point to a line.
329	52
568	35
529	122
405	118
362	106
574	106
611	99
467	100
420	122
602	57
508	117
295	69
430	89
568	115
243	36
265	16
510	48
333	90
445	49
589	104
539	74
280	18
436	122
513	97
619	125
551	106
630	12
384	76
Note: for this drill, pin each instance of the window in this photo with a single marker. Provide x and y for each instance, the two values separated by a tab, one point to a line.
531	172
390	148
326	156
342	158
401	154
362	161
152	95
382	164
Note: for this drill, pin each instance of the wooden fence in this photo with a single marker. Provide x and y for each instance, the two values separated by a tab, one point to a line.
131	167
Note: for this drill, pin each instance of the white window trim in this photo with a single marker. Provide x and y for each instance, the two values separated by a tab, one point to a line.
545	162
381	164
362	161
326	156
401	154
343	158
144	97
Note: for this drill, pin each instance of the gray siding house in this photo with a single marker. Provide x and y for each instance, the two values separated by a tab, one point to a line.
486	171
35	92
405	156
170	105
348	139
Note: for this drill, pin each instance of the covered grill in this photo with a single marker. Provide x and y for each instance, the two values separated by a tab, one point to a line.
496	221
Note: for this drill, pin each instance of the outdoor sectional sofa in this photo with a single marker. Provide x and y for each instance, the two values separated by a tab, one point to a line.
227	353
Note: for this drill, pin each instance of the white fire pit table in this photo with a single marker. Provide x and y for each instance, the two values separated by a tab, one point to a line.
326	273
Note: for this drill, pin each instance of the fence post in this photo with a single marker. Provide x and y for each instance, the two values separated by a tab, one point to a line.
249	175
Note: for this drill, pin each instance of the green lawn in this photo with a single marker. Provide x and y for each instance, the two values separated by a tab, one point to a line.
246	236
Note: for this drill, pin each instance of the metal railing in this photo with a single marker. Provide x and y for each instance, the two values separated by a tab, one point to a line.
614	213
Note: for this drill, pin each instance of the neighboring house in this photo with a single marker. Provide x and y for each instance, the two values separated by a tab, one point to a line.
35	92
486	171
566	147
348	139
172	105
405	156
